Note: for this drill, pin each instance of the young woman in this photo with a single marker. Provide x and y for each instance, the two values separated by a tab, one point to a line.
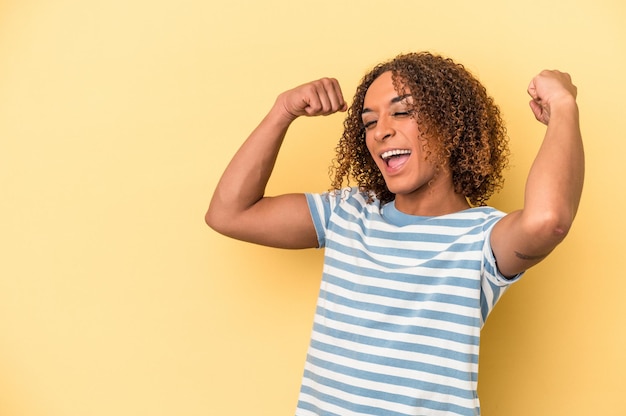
414	260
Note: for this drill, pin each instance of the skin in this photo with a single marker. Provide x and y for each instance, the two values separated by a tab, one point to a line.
240	209
554	185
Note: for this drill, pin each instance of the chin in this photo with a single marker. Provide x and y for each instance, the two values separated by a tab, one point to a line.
401	188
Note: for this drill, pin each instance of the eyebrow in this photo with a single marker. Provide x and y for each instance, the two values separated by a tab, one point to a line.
393	101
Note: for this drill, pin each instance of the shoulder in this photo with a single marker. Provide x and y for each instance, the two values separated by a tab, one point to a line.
346	196
484	215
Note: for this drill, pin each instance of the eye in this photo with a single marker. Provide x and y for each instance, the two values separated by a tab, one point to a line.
369	124
401	114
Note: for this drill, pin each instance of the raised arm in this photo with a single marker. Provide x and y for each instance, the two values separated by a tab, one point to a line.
239	207
523	238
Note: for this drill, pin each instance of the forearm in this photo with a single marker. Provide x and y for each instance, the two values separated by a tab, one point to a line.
244	181
555	181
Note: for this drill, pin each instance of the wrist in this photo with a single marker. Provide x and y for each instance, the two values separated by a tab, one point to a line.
284	109
280	117
566	102
564	106
281	114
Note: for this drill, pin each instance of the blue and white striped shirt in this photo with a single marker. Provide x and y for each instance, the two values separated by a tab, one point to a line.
400	308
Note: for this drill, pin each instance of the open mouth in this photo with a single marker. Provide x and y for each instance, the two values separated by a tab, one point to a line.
396	157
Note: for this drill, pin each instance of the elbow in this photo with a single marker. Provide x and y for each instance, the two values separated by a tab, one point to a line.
551	226
222	221
213	220
208	219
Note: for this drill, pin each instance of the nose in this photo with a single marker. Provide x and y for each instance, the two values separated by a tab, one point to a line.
384	129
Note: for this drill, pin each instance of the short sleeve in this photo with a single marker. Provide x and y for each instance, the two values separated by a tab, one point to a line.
319	207
493	283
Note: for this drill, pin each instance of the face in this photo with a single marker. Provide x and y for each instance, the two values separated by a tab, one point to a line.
394	141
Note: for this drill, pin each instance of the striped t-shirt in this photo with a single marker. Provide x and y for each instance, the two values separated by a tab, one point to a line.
401	304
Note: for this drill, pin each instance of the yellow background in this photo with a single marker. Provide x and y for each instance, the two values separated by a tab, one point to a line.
117	118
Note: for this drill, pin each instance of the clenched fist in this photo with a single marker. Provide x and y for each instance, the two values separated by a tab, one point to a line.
316	98
549	89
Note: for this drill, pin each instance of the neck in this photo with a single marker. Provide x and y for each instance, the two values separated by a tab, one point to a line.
431	207
435	198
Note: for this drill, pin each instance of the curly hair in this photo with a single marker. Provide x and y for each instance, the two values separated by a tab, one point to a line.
462	126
